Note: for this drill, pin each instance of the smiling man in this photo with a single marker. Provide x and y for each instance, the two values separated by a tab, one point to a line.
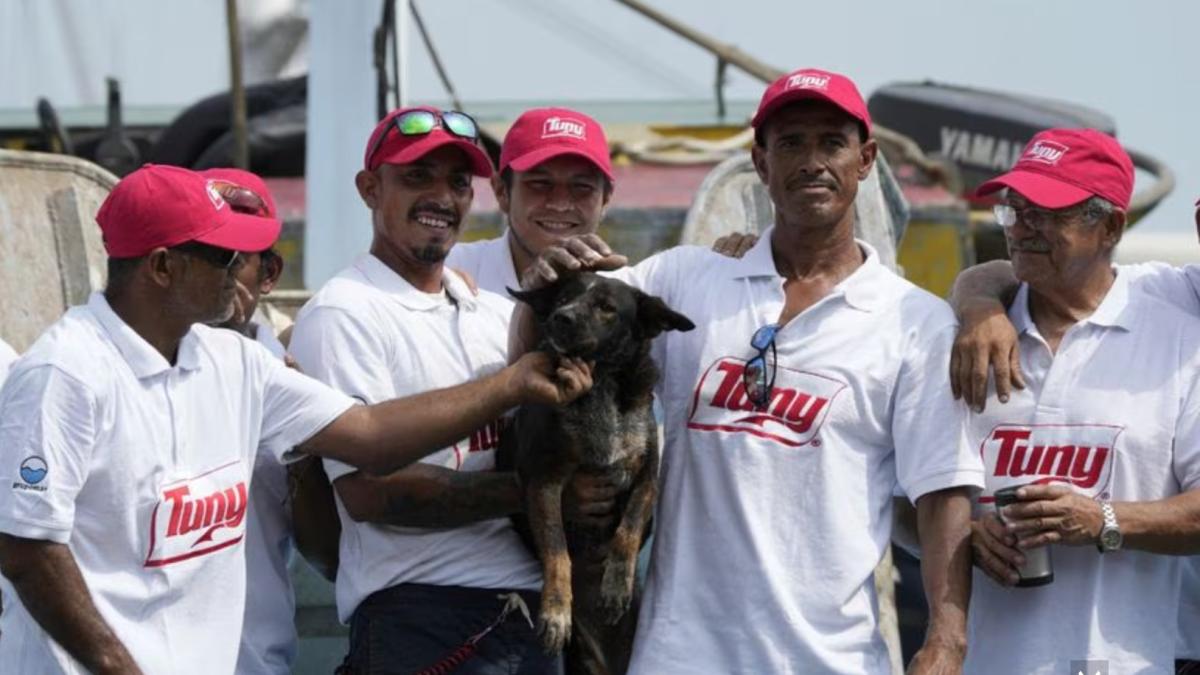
555	181
428	556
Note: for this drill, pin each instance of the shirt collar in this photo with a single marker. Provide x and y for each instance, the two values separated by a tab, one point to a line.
861	289
508	266
143	359
1115	310
385	279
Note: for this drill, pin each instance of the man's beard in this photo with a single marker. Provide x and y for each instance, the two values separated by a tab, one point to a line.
430	254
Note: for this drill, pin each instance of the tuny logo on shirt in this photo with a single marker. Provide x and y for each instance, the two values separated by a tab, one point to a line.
557	127
1079	455
198	516
484	439
1046	152
800	402
808	81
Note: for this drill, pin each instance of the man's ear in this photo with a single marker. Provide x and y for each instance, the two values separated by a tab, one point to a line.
273	270
503	198
1114	226
541	300
867	154
367	183
654	317
759	158
161	267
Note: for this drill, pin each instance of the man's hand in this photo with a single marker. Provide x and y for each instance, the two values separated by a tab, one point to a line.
590	499
735	245
995	550
934	659
582	253
240	199
1053	514
986	340
536	378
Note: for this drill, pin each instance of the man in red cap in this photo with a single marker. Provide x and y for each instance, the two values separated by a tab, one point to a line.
555	181
430	568
268	626
1102	436
792	412
128	433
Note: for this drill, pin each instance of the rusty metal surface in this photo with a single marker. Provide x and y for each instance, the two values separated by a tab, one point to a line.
51	255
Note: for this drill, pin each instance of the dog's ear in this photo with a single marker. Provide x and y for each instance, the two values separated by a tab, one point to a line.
654	316
541	299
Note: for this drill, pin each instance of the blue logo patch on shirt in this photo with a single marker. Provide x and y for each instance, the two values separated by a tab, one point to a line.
33	470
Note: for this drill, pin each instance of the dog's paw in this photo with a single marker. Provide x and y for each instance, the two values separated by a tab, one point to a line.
555	628
616	591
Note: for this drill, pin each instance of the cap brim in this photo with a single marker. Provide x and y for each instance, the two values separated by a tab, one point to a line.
480	164
243	232
801	95
1043	191
534	157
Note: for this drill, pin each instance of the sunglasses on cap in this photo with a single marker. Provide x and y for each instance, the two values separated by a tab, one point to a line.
216	256
758	377
421	122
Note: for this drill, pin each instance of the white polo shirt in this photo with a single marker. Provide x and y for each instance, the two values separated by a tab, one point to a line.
143	469
1114	414
7	356
769	525
372	335
1179	286
490	263
269	625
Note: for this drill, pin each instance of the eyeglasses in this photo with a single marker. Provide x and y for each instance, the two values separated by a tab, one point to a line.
216	256
421	122
1035	218
759	375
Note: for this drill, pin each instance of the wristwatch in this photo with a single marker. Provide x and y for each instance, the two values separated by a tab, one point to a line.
1110	533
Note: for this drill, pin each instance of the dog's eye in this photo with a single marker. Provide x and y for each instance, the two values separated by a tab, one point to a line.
606	307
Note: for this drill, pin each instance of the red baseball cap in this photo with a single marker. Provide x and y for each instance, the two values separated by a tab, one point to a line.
1062	167
811	83
247	180
397	148
160	205
543	133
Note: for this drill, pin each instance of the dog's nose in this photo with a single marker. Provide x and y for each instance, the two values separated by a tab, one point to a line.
561	320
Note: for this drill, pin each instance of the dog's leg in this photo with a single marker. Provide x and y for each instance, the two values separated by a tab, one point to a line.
616	588
544	505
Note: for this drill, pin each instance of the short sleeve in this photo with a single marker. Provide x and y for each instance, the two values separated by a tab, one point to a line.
337	348
1179	286
928	425
1187	431
295	408
47	435
7	356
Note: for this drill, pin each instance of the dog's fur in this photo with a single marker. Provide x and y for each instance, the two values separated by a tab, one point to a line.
589	574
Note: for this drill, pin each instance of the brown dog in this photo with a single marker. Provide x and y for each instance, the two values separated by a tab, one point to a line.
589	571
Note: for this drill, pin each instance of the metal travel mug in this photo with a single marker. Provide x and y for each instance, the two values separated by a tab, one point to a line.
1038	569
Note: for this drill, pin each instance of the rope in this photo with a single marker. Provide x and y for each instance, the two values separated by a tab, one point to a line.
468	649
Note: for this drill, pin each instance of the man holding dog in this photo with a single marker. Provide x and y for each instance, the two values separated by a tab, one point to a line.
428	556
804	397
1127	341
127	434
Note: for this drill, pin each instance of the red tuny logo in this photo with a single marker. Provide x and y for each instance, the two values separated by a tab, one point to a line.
483	439
198	516
1079	455
799	404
